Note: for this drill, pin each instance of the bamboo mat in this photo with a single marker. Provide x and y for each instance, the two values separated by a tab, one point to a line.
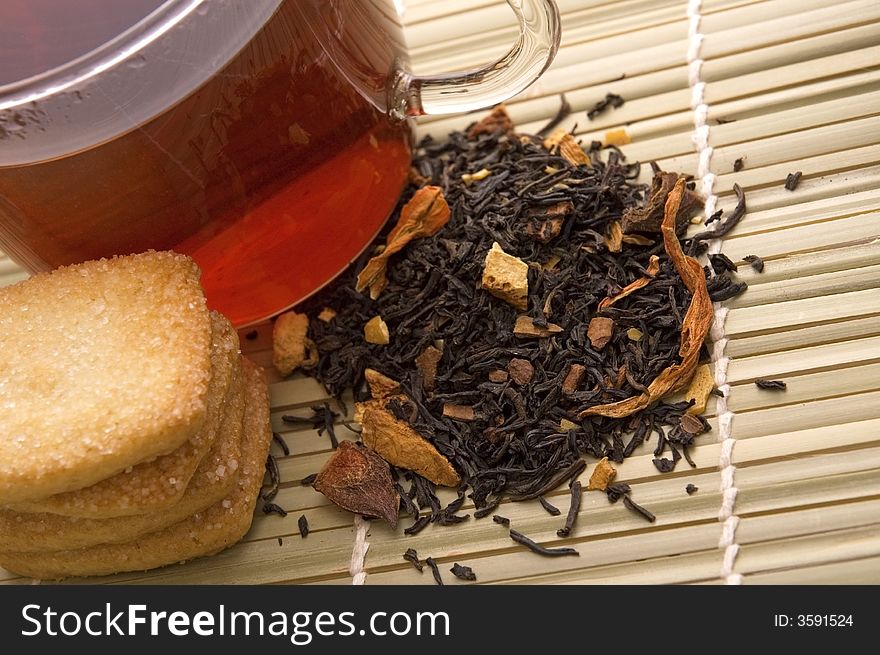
790	85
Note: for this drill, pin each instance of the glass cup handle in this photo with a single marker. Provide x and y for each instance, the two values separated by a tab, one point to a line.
449	93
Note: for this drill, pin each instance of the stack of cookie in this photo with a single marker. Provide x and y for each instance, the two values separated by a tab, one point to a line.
132	432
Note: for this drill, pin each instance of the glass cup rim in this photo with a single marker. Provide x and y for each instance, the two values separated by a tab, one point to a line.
107	55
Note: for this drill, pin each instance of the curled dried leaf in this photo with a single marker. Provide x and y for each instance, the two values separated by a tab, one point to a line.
422	216
402	446
649	216
602	475
525	328
358	480
652	270
695	326
381	386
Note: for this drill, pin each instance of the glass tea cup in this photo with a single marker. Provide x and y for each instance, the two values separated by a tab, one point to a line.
266	138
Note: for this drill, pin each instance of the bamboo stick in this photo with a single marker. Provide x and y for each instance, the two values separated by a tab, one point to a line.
827	333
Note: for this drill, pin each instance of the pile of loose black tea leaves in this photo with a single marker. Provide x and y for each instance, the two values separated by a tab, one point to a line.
513	435
463	572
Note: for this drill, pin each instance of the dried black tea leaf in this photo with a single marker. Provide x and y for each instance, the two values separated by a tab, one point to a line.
771	385
520	538
303	525
638	509
691	489
755	262
573	510
792	180
435	570
551	510
463	572
412	557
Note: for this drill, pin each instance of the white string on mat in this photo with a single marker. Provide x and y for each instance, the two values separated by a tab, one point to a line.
727	513
359	551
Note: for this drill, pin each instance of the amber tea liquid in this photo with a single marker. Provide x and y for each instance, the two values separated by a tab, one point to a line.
266	164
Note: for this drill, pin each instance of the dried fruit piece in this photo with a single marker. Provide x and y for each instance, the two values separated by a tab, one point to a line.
525	327
602	475
381	386
694	327
498	376
376	331
291	347
573	378
357	479
521	371
635	285
700	389
617	138
563	142
427	364
422	216
481	174
497	121
600	331
634	334
691	424
614	237
545	222
565	425
327	315
506	277
459	412
402	446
